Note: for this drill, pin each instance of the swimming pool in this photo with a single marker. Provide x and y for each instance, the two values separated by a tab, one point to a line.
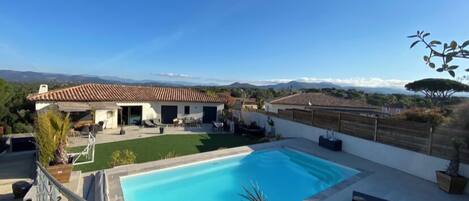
282	174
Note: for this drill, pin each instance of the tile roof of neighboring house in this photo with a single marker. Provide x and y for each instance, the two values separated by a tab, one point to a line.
318	99
113	93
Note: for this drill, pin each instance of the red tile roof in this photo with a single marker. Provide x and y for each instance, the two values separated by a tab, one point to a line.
114	93
318	99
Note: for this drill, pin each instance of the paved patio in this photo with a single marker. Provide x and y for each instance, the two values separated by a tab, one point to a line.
375	179
136	132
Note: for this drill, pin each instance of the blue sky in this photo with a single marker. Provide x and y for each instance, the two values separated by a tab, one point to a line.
360	42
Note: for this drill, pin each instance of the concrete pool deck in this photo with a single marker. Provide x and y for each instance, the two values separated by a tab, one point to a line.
374	179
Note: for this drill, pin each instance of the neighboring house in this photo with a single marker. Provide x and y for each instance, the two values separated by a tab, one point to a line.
248	103
112	104
310	101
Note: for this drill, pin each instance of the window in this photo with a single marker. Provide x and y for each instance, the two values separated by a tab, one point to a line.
187	109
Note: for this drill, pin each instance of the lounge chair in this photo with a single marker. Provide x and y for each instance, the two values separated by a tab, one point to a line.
85	130
357	196
155	121
189	122
148	124
217	126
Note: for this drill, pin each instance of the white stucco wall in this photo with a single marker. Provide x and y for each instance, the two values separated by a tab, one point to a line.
420	165
109	117
41	105
275	107
152	110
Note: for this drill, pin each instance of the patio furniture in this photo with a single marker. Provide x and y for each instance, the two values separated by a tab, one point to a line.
177	122
85	130
101	126
357	196
330	143
218	126
189	122
155	121
148	124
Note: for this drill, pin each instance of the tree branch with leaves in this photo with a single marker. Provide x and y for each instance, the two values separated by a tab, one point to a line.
446	55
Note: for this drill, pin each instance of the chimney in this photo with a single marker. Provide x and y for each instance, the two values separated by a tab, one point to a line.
43	88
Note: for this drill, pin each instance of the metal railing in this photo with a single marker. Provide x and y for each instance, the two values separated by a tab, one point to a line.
49	189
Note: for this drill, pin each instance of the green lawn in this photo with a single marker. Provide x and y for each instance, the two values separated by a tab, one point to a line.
153	148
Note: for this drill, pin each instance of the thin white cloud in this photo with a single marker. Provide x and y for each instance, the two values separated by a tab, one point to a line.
174	75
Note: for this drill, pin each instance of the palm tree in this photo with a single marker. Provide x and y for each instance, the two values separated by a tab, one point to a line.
254	193
51	137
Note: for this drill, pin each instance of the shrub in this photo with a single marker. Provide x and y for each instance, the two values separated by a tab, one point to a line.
434	116
22	128
171	154
460	116
122	158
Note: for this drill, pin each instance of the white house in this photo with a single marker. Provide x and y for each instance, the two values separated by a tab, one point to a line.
102	102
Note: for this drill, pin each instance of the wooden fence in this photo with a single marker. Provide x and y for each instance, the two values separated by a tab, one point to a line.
419	137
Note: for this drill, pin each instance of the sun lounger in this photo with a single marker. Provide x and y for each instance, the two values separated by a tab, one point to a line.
148	124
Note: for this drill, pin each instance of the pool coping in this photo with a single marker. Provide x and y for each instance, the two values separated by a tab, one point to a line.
113	175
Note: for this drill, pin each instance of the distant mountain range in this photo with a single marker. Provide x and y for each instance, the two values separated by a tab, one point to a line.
287	85
320	85
38	77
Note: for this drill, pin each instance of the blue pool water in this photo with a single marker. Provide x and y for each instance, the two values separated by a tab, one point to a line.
282	174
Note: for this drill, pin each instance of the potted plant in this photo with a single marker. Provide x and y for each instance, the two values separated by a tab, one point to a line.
450	181
51	138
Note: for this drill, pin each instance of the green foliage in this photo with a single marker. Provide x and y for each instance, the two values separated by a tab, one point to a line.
434	116
458	143
23	128
6	94
382	100
254	193
437	89
460	116
446	55
51	136
16	112
122	158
